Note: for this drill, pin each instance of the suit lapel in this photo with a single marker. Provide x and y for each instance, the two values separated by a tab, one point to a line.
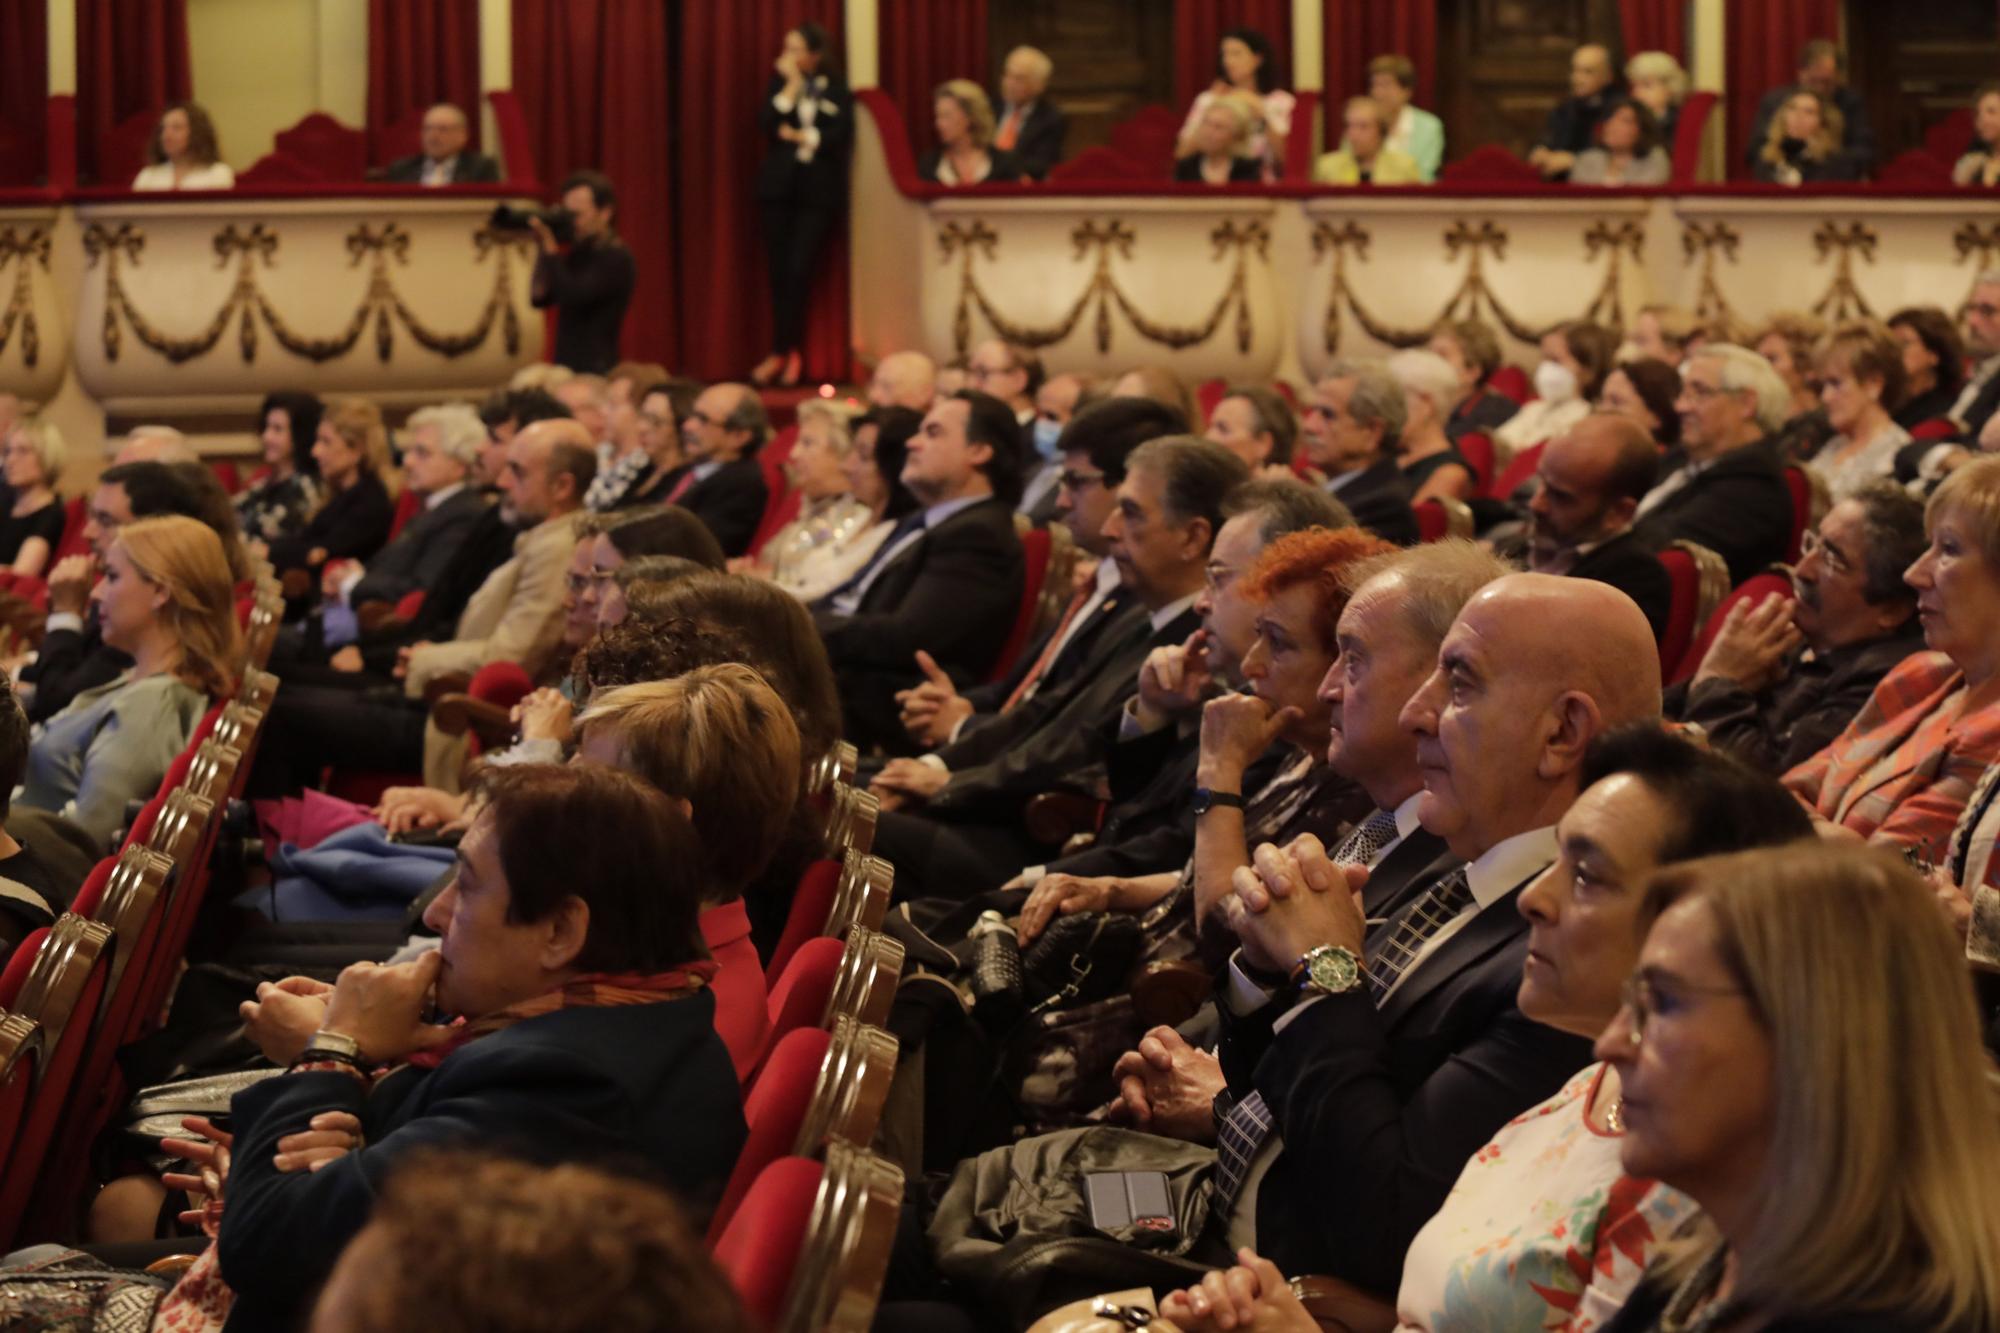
1493	929
1413	865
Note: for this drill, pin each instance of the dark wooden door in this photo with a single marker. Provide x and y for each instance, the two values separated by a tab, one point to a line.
1918	63
1111	57
1503	64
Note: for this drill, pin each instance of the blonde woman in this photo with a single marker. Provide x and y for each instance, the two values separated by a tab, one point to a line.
1219	148
1862	382
804	554
965	154
31	458
351	450
168	600
1246	63
1804	144
1365	156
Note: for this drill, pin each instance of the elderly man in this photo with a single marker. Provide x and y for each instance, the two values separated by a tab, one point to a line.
1726	486
1009	372
444	161
724	483
1587	487
441	447
1350	433
1572	123
1819	72
1785	677
155	444
904	379
1030	126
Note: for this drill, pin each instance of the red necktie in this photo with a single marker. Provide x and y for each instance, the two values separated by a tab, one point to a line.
1010	129
681	487
1034	675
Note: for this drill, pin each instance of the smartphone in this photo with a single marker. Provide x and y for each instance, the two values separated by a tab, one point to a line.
1136	1199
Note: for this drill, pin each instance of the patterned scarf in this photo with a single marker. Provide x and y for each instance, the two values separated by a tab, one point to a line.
587	990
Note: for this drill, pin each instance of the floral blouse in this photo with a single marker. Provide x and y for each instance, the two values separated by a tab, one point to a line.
1542	1231
277	509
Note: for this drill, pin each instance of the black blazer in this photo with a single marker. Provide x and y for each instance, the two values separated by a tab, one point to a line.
730	501
351	525
1242	169
1381	1108
1039	145
421	552
1629	565
645	1089
467	169
781	176
1739	508
590	285
1109	619
955	593
1006	167
1379	499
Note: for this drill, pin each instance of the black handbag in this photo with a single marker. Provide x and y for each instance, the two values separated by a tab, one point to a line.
1080	958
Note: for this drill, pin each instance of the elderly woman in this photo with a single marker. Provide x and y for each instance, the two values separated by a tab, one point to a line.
1257	425
1431	463
1413	132
1544	1228
1473	351
1660	85
168	601
1575	359
1861	382
1219	149
1628	150
1364	156
1980	164
278	503
351	451
1790	341
1901	772
830	516
965	154
1804	146
1246	64
1933	363
184	154
32	459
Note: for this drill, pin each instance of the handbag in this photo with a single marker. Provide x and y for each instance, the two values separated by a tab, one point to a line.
1080	959
1113	1312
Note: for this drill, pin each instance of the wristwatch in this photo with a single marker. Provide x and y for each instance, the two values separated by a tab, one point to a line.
333	1046
1206	800
1328	969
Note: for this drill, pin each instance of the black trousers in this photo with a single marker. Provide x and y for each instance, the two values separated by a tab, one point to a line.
795	231
313	727
949	859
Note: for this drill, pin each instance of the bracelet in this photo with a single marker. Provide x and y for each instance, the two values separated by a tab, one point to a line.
320	1056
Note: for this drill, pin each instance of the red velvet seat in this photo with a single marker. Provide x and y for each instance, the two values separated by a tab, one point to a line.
807	918
1799	482
775	1111
1686	597
1035	549
782	503
1696	108
760	1247
1752	590
407	506
1511	382
1936	429
61	986
1431	522
76	513
1207	397
21	1055
799	998
1478	450
1519	471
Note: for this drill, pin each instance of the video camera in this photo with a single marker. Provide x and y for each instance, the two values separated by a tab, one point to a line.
560	222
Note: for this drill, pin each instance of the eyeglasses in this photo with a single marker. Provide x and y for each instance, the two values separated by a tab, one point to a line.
1812	544
1647	1001
1076	481
697	415
1984	309
1700	392
1220	576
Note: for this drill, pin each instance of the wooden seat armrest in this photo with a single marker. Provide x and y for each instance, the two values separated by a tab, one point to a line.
1054	817
378	617
296	583
456	714
1168	993
447	682
1342	1307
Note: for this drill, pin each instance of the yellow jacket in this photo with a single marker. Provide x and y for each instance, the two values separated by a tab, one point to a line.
1391	168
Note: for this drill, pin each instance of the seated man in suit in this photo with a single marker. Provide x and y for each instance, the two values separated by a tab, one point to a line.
1572	123
723	483
1587	487
444	160
904	379
1784	678
971	794
1725	486
947	580
1350	430
1031	127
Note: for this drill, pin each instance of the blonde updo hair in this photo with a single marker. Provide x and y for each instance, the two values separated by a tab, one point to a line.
978	108
359	422
184	559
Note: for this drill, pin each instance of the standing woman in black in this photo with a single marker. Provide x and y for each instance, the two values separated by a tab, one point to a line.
807	116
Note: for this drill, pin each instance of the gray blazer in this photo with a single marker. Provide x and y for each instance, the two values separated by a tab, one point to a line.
111	746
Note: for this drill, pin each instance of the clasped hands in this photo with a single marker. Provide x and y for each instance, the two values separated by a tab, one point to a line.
381	1006
932	710
1291	899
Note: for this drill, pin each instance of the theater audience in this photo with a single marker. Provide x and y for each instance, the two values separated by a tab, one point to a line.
1803	144
1246	65
1628	149
1588	485
184	153
1352	424
32	893
351	454
1933	364
1860	370
1474	353
1645	390
167	601
1724	487
1365	156
1979	165
1659	84
1575	359
1220	148
1257	425
1032	128
1162	386
807	121
288	494
723	483
1902	770
965	154
445	160
1572	123
1853	138
1753	1052
903	379
1431	463
1784	677
1665	333
31	458
1413	132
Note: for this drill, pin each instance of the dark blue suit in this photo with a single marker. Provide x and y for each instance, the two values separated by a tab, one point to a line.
644	1086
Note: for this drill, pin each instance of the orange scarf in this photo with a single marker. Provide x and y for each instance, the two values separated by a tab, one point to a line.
588	990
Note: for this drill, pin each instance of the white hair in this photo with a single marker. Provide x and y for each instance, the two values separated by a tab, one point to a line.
460	432
41	435
1040	67
1658	65
544	375
1743	371
161	444
1426	374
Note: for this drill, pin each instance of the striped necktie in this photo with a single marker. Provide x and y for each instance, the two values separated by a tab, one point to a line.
1365	843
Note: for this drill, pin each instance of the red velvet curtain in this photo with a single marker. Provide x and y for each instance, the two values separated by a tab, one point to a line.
131	60
1359	30
1654	25
923	43
725	56
1762	44
591	77
420	53
24	93
1198	29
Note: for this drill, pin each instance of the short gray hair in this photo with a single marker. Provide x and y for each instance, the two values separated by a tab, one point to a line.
1377	399
1198	475
1743	371
1422	371
1437	579
1892	523
837	422
749	414
1287	505
461	434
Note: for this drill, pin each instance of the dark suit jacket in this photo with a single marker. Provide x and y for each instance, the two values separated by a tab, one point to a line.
68	663
1039	145
469	169
647	1086
1410	865
1242	169
590	285
1481	414
955	593
421	552
1858	134
1572	122
352	525
1380	1108
1379	499
487	545
1629	565
731	502
1739	507
1798	717
781	176
1111	617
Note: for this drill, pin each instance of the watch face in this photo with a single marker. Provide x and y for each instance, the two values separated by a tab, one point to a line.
1333	969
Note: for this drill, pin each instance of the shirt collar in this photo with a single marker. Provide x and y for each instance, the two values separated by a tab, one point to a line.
1505	864
1169	613
703	471
944	509
1406	814
436	498
1108	577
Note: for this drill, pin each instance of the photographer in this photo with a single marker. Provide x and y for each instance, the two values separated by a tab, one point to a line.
591	283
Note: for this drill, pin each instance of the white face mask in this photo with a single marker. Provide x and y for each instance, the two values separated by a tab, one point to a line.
1555	383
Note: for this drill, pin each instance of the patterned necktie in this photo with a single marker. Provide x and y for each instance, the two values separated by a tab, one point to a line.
1033	680
1438	907
847	597
1366	842
1238	1136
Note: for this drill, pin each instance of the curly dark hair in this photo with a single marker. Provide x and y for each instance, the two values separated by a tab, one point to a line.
204	150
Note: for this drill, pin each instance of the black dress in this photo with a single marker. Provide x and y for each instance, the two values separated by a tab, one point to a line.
1245	169
1005	168
46	523
1420	471
352	525
1927	406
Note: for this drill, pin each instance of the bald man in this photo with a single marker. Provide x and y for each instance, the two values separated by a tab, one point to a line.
1572	124
1369	1061
1029	125
155	444
904	379
1587	489
445	159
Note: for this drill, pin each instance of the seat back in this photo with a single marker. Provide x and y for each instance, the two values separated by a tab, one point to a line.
838	763
1036	546
1699	579
1696	108
408	504
1511	382
799	999
811	905
62	991
1440	517
861	898
21	1056
1751	591
850	821
1937	428
76	513
761	1245
774	1111
1477	447
844	1255
850	1090
1809	505
864	984
1519	470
